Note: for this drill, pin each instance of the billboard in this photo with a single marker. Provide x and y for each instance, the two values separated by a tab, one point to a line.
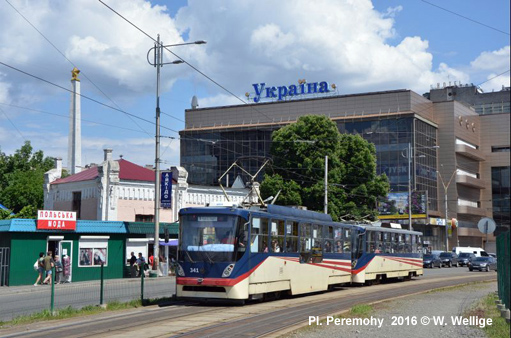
395	206
56	220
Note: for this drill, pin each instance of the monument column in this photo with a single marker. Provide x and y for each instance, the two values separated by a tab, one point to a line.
74	158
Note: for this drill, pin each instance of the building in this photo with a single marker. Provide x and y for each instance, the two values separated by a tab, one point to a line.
446	136
119	190
84	248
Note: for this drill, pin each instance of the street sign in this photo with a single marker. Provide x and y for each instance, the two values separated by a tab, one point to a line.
166	189
486	225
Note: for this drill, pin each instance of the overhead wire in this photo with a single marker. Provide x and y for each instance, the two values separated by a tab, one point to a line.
72	63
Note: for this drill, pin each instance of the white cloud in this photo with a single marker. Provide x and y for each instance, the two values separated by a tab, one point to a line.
339	41
497	60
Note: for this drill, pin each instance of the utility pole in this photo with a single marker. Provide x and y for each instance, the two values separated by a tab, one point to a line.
446	211
410	186
326	184
158	63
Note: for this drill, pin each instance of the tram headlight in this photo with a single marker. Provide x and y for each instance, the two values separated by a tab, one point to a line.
228	270
180	271
353	263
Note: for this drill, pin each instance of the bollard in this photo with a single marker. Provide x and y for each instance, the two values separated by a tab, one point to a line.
142	285
52	282
505	314
101	289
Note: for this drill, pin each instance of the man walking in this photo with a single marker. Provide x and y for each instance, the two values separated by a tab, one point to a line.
48	265
133	267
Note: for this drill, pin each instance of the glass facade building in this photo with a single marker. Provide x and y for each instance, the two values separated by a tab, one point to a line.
501	193
207	155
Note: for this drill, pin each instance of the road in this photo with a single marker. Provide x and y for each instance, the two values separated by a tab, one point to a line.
193	320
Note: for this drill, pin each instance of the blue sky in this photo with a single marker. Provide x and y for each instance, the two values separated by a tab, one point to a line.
361	46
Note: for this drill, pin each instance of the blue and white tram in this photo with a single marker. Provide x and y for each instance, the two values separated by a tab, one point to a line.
383	253
237	253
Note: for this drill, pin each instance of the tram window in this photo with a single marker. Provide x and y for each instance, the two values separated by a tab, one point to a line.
414	243
329	232
370	242
338	240
316	236
291	236
242	237
263	234
419	244
387	247
254	236
347	241
378	242
408	247
305	237
277	235
394	243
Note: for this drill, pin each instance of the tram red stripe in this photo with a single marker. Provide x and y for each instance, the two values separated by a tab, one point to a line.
216	281
332	267
337	262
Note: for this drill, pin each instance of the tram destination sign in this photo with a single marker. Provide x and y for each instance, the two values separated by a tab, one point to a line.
262	91
56	220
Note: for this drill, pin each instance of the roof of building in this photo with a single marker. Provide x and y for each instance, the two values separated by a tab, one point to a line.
127	171
133	172
90	227
84	227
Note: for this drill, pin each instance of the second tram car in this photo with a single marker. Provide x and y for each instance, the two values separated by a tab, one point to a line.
239	253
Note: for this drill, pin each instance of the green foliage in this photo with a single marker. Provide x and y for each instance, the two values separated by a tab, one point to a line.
299	151
21	180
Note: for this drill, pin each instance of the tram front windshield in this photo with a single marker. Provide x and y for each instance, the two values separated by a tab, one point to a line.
212	238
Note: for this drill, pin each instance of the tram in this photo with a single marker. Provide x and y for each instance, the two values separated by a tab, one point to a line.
384	253
252	253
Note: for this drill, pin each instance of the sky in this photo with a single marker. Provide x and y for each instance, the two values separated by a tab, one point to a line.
358	45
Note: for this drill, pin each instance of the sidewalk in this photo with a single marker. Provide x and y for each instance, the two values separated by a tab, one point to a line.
9	290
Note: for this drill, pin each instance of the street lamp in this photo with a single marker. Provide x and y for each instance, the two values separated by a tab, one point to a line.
445	198
158	63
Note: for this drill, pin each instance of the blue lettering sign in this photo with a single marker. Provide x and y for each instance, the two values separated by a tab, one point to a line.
166	190
281	92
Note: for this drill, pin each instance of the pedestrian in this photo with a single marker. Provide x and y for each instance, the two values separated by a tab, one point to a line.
40	269
59	269
133	266
141	264
49	263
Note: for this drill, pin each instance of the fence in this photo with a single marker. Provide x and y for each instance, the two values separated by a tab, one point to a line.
26	300
4	266
503	265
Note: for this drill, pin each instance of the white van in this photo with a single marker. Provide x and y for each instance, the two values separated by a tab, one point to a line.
478	252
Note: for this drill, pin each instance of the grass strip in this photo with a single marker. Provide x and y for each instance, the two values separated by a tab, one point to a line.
70	312
486	308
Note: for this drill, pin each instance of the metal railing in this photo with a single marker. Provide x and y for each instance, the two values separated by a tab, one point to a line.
503	265
26	300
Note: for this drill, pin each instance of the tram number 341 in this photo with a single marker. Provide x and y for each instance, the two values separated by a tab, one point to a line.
194	270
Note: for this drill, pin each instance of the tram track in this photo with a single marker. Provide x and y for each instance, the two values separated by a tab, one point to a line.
268	319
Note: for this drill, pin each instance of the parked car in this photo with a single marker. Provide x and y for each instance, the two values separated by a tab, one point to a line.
431	261
449	259
465	257
483	264
492	254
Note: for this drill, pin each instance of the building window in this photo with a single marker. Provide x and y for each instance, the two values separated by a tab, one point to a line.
77	203
93	251
501	192
144	218
500	149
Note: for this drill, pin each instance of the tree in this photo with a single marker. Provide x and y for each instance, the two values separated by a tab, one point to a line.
299	151
21	180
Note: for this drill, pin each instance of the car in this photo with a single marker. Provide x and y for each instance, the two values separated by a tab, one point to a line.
465	257
449	259
431	261
483	264
492	254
